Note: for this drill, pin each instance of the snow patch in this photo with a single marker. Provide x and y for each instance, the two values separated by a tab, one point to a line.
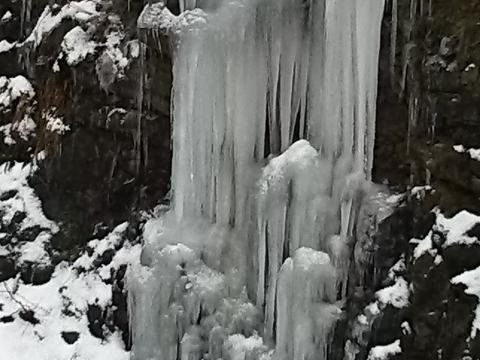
76	46
13	88
474	153
14	178
471	279
24	128
59	306
82	11
7	16
385	352
396	295
6	46
454	230
55	123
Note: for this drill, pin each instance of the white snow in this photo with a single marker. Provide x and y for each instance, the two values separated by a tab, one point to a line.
82	11
13	88
35	251
406	328
25	201
470	67
55	123
76	46
396	295
25	129
6	46
7	16
385	352
127	254
15	178
7	134
474	153
61	304
454	230
66	290
471	279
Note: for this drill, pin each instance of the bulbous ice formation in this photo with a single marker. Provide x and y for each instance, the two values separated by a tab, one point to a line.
273	129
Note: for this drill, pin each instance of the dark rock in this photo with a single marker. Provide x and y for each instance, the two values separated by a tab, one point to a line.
30	234
474	231
70	337
36	274
8	195
104	259
120	302
6	239
15	222
96	321
7	319
7	268
29	316
101	230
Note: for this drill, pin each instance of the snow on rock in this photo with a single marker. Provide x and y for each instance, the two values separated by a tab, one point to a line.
59	306
385	352
13	179
474	153
111	64
7	16
471	279
76	46
6	46
22	209
82	11
157	16
453	229
396	295
127	253
55	123
25	129
13	88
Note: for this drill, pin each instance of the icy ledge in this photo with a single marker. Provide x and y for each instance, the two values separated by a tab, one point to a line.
158	17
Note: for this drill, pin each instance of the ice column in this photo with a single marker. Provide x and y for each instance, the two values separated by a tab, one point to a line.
273	130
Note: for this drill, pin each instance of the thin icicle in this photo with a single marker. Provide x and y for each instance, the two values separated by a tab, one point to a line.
393	41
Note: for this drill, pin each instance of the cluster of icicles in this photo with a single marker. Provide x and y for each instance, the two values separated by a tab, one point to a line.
273	130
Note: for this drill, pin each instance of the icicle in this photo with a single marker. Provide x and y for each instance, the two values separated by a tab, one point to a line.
306	312
25	16
393	41
140	97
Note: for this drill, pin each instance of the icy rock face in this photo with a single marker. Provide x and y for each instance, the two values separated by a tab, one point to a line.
250	260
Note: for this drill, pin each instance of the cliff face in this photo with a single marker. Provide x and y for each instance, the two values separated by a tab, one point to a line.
428	99
427	107
86	97
89	71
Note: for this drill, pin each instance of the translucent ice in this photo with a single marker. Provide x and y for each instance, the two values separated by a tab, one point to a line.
273	129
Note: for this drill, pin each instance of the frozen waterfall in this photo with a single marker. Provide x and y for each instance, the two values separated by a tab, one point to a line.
273	131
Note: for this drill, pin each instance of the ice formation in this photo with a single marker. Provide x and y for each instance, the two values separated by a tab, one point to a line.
273	132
